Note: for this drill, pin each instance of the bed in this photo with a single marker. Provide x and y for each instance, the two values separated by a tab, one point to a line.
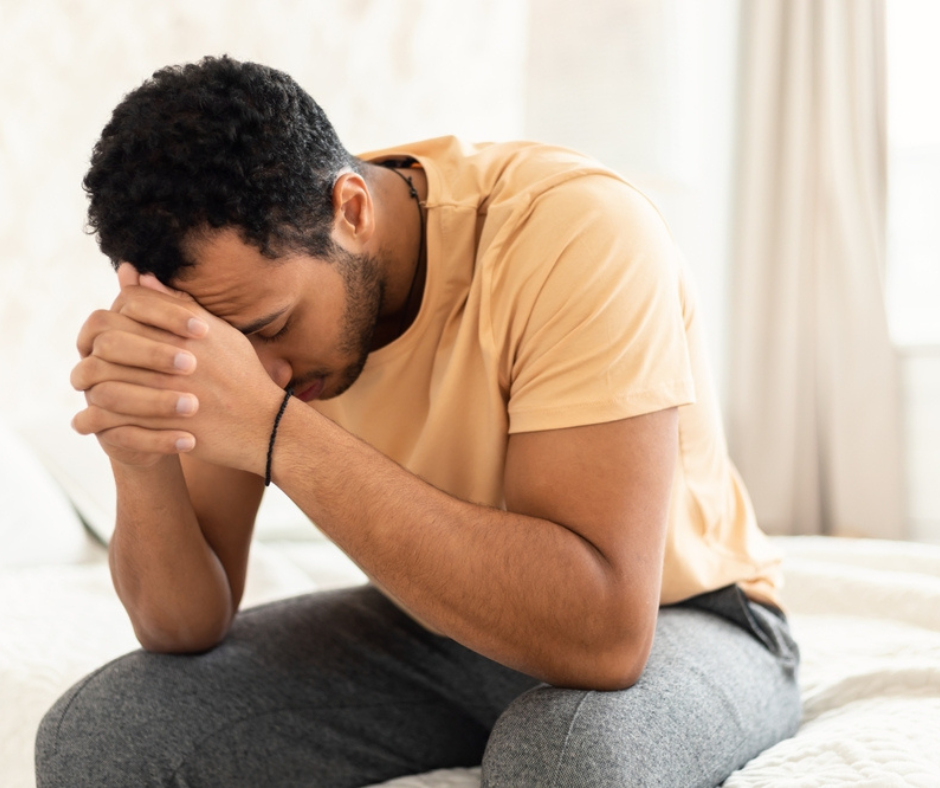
867	614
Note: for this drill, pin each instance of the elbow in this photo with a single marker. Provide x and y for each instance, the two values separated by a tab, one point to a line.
618	671
168	637
163	627
169	623
612	670
611	660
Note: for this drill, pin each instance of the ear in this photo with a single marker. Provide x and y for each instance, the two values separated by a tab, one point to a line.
353	212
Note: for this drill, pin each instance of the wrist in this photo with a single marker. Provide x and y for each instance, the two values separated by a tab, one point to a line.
157	465
269	457
254	439
298	444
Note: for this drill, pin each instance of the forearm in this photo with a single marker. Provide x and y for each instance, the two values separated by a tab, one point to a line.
564	586
171	582
524	591
180	547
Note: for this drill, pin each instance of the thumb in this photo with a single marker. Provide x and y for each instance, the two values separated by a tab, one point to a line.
127	275
151	282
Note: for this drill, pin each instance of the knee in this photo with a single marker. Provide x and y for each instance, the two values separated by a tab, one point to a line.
89	736
46	740
59	739
532	742
558	737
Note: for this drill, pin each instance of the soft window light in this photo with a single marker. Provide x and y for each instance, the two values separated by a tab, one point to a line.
913	270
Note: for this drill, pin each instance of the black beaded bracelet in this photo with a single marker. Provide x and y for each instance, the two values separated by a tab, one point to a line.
277	420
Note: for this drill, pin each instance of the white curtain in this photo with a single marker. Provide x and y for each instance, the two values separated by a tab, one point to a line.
814	391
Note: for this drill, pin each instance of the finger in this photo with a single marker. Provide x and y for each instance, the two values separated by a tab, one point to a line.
163	310
92	371
94	420
131	438
150	281
102	320
127	275
133	400
133	350
98	321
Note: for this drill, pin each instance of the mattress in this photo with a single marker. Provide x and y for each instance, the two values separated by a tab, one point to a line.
866	614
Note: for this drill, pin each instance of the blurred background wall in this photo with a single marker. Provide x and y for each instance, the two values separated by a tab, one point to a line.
650	87
384	71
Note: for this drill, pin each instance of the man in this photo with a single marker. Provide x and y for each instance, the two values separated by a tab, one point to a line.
479	371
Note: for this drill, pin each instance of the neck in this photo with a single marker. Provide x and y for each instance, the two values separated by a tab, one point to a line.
400	236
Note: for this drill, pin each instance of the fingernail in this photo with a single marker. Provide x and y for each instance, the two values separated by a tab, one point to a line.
185	444
185	362
197	327
186	404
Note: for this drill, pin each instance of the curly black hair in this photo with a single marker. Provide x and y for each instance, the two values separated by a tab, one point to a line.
218	143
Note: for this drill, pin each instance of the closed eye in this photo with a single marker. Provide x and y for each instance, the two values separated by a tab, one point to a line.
280	334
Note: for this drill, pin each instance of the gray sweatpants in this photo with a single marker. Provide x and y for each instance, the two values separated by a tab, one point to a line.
343	689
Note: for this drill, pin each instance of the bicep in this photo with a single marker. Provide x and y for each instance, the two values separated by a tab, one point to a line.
608	483
226	503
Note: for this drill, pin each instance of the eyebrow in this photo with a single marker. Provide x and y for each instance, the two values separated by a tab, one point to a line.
261	322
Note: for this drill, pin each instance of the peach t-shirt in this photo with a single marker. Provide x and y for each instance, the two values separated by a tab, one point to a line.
555	297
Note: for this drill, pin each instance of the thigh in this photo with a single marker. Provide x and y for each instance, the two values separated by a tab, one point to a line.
712	696
333	689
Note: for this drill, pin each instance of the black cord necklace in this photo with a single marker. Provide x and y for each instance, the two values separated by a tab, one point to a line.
414	279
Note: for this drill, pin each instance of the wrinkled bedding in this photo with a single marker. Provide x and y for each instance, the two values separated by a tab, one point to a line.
866	613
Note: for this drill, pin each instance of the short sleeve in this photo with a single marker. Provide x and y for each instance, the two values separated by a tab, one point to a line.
586	295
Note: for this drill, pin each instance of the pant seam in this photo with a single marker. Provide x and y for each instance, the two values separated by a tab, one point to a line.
568	734
78	691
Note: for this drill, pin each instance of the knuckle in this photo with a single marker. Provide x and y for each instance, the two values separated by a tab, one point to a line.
128	308
136	439
99	320
85	373
103	344
121	438
96	323
77	377
95	418
81	423
102	395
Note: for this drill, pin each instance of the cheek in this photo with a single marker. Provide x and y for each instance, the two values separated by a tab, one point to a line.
320	336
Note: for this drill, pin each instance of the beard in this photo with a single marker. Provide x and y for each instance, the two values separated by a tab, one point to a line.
365	292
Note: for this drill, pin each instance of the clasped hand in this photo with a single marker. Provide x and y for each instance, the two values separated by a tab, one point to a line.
162	376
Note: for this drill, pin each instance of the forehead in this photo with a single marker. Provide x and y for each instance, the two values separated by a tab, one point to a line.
232	279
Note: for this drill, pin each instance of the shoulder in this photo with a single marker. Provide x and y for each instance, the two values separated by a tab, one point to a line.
490	175
589	230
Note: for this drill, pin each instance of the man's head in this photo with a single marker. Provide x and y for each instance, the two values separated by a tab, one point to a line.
210	145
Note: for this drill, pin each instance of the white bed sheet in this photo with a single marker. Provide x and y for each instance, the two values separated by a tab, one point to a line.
867	615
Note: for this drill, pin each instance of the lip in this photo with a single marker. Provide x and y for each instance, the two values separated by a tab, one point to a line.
311	392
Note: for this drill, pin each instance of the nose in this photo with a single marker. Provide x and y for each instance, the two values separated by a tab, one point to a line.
278	368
